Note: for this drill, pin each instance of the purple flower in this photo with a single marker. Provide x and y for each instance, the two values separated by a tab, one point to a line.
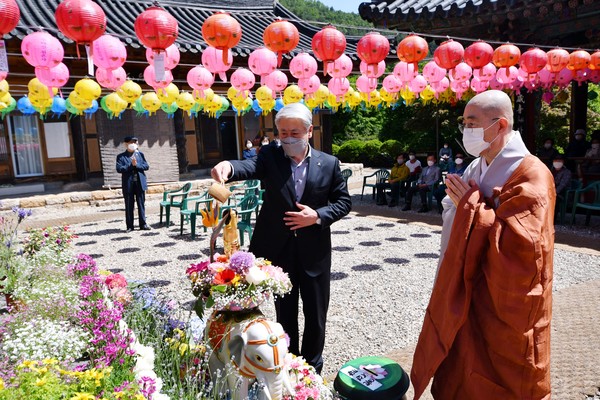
21	213
241	261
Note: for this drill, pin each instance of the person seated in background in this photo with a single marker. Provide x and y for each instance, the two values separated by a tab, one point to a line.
398	175
249	151
579	146
591	164
430	175
547	152
264	141
445	156
458	168
561	174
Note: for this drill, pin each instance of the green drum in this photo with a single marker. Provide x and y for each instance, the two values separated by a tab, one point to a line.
371	378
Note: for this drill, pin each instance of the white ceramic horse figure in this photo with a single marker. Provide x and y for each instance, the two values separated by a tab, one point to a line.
255	347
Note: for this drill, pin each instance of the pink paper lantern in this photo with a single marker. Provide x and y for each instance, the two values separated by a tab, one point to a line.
507	75
150	78
564	77
41	49
200	78
461	73
54	77
366	84
108	52
338	86
405	72
111	78
303	66
494	84
581	75
340	68
523	76
373	71
459	87
531	85
262	62
478	85
418	84
545	77
309	85
487	73
433	72
547	97
440	86
594	76
212	59
276	81
243	79
3	75
392	84
171	56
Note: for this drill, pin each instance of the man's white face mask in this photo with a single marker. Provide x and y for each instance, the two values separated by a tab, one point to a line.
473	139
132	147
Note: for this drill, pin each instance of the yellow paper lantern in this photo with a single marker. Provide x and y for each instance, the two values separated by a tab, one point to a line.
185	101
407	95
115	103
39	90
562	97
130	91
333	101
311	103
88	89
5	101
239	103
427	94
4	88
293	94
213	105
169	94
387	96
353	99
264	93
41	102
203	97
77	101
233	94
267	106
150	102
375	98
321	94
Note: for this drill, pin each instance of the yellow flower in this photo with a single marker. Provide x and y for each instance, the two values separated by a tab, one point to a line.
1	384
83	396
139	396
236	280
104	272
40	382
183	348
50	361
27	364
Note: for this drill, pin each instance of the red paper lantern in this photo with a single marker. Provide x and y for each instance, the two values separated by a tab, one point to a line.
80	20
372	49
479	54
9	16
281	37
222	32
595	61
156	28
449	54
557	60
412	49
328	45
533	60
579	59
506	56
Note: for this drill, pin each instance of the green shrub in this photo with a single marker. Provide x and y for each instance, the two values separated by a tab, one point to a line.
371	152
391	148
350	151
335	149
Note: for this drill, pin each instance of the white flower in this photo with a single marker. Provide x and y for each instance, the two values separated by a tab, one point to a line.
160	396
255	275
145	373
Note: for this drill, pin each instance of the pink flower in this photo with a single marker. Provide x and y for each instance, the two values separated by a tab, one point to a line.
201	266
116	281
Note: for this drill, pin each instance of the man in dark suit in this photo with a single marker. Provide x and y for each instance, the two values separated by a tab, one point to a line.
131	164
305	193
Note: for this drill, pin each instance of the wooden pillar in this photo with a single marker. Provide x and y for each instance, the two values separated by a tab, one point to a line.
79	146
180	141
578	118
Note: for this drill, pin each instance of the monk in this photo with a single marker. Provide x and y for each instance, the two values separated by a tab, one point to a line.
486	333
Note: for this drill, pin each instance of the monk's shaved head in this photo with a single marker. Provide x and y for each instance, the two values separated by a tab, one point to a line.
494	104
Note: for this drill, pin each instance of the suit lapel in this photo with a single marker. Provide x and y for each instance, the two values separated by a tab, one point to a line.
313	173
288	190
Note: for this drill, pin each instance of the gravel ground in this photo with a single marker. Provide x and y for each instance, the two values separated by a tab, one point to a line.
382	271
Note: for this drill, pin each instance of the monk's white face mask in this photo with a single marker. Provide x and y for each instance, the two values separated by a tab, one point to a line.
473	139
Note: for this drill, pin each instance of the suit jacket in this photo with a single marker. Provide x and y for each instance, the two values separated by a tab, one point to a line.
127	170
326	192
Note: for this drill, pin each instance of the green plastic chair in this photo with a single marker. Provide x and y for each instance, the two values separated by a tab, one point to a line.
562	199
173	198
250	186
589	206
346	173
380	175
244	210
190	209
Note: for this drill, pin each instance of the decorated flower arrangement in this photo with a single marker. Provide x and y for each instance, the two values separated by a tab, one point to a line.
307	384
57	237
234	283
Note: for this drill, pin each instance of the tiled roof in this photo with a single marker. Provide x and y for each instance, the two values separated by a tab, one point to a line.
254	16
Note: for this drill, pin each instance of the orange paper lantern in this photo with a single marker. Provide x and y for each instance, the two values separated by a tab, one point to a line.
533	60
449	54
156	28
9	16
328	45
412	49
579	59
506	56
222	32
557	60
372	49
595	61
479	54
281	37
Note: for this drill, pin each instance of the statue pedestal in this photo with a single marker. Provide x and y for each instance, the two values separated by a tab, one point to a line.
220	322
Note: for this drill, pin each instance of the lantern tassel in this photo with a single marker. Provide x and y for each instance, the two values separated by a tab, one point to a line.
325	64
279	58
90	61
225	54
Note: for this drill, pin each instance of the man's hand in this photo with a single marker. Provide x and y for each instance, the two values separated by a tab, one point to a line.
300	219
221	172
134	161
456	187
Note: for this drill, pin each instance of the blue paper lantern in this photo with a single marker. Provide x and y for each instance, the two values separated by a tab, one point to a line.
279	104
25	106
59	106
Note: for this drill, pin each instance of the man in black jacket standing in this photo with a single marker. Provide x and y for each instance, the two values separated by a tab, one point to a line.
131	164
305	193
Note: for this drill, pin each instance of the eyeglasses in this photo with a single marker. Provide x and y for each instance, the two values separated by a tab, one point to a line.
461	127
